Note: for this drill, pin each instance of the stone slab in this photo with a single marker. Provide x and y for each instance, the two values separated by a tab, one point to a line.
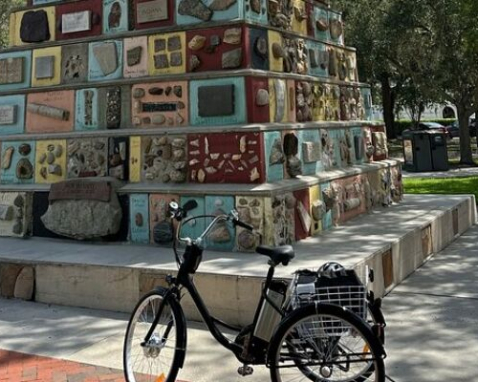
105	60
163	16
137	64
79	19
59	99
46	67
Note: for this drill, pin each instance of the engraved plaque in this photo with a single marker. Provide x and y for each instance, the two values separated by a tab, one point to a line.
150	11
216	100
11	70
8	114
44	67
80	190
76	22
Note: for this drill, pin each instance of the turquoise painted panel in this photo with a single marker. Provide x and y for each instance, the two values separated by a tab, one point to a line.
357	136
322	14
251	15
217	205
27	70
232	13
336	136
111	10
327	222
8	175
311	168
38	2
275	172
239	115
95	72
195	227
332	17
317	67
81	121
17	127
367	103
139	218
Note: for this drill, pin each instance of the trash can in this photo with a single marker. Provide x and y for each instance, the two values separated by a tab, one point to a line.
425	151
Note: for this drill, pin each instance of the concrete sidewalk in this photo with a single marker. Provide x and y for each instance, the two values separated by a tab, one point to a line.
432	332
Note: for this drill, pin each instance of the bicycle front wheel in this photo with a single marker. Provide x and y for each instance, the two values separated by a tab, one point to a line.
323	342
159	358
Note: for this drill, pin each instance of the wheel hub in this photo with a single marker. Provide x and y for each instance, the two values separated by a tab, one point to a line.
326	371
153	347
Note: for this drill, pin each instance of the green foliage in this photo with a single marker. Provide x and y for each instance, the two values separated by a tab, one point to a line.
5	8
446	186
404	124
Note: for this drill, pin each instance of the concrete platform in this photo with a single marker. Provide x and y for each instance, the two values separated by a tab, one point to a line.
393	241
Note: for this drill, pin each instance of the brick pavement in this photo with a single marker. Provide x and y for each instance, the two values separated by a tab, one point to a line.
20	367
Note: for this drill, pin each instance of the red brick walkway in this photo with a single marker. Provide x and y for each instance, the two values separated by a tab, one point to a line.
19	367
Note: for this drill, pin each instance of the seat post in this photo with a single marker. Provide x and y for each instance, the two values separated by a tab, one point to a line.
270	276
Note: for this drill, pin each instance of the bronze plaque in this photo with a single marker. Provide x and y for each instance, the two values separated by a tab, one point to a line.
80	190
11	70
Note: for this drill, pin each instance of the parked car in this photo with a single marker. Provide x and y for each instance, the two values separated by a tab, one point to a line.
428	126
453	130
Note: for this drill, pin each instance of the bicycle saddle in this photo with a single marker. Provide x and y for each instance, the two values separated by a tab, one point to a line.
278	255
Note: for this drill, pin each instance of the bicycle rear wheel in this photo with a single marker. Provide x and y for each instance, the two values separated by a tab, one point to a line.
160	358
321	342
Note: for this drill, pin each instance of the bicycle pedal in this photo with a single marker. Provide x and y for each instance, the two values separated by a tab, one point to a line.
245	370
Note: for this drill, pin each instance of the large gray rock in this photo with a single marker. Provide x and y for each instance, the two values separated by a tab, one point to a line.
83	209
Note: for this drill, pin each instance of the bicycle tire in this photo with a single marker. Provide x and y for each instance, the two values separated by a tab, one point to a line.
171	351
294	354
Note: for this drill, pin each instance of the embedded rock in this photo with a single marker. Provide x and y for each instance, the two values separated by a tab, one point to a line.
232	59
221	5
196	9
24	284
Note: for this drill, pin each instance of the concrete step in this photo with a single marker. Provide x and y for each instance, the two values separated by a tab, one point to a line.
393	241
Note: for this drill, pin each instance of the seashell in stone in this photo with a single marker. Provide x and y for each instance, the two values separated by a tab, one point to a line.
215	156
226	155
178	176
24	149
221	164
7	157
193	162
42	158
197	42
206	162
178	154
58	152
236	157
243	144
43	172
254	174
138	93
206	146
194	143
194	62
158	119
277	50
50	158
221	5
210	170
156	91
262	97
24	169
254	159
195	152
55	169
179	143
201	176
232	36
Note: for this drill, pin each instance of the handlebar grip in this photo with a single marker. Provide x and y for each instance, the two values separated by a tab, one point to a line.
244	225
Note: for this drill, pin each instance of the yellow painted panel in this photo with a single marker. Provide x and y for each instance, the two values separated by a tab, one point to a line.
16	20
299	26
275	64
55	171
314	195
55	52
273	101
135	160
167	52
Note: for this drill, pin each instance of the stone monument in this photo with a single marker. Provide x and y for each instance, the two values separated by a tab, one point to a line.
261	96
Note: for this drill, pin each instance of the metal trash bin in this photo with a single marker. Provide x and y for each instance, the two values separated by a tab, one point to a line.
425	151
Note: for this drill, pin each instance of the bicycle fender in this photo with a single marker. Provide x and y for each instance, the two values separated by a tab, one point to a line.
169	296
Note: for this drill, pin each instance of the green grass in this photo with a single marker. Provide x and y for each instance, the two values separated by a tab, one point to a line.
448	186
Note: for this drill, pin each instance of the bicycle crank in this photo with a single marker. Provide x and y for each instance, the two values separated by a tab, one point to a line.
245	370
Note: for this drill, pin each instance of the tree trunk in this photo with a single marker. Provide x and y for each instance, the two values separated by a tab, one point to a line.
388	102
466	155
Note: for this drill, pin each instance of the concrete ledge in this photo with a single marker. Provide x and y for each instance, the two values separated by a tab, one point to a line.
393	241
